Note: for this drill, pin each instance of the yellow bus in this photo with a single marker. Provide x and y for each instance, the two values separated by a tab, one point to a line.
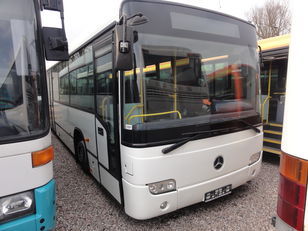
273	84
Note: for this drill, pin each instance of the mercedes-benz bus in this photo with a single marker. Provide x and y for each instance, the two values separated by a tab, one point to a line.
27	187
163	106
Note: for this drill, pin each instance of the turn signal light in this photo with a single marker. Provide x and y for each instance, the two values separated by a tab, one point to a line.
42	157
292	190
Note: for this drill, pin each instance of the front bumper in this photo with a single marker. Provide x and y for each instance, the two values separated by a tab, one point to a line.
140	204
45	212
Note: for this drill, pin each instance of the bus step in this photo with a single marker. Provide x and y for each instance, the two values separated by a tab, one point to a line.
272	143
271	150
272	127
272	134
275	125
271	140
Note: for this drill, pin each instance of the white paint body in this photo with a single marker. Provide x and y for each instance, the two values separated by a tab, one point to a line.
294	140
67	120
16	171
296	110
192	166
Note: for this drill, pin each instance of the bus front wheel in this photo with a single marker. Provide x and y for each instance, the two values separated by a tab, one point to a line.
82	156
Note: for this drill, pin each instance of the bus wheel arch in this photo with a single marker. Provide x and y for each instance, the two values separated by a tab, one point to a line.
81	150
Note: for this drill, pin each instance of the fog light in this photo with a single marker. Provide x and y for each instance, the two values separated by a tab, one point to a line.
162	186
17	205
164	205
254	158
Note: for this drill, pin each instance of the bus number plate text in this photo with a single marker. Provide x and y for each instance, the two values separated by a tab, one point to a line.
220	192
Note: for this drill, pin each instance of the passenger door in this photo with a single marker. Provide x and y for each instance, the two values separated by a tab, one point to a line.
277	91
106	118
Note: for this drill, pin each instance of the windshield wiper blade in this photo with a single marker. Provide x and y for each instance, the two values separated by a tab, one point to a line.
253	127
196	135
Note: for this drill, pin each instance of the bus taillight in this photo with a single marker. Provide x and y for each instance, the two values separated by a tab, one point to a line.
292	190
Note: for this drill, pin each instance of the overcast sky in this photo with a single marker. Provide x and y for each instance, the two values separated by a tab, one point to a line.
84	18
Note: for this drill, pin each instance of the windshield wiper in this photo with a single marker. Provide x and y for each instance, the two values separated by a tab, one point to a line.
253	127
195	135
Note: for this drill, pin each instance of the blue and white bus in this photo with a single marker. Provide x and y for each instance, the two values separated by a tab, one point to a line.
27	187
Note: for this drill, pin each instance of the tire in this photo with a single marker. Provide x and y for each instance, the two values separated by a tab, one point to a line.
82	157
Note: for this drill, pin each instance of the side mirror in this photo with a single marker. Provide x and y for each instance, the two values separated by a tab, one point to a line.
55	44
123	47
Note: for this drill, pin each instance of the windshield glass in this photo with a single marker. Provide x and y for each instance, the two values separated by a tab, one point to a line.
21	112
194	68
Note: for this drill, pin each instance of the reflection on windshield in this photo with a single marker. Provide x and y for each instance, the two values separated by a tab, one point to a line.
20	92
193	79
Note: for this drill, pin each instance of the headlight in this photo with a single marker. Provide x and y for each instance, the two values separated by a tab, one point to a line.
254	158
15	206
162	186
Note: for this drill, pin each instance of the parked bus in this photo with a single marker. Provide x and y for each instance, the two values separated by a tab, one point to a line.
273	86
27	187
292	206
163	107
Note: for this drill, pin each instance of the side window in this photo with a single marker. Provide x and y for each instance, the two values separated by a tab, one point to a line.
64	89
85	80
73	81
278	78
104	74
264	79
61	82
104	80
81	79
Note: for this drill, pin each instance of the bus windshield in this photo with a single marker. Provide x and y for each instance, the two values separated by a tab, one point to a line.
191	68
21	106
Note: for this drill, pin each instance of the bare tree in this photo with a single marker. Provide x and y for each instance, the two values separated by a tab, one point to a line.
271	19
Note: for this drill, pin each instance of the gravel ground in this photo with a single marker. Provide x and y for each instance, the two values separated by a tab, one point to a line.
83	205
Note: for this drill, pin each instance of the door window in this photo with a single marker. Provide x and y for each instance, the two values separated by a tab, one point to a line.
104	86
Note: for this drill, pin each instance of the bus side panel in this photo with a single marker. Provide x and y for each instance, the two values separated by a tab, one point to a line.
68	119
64	128
110	183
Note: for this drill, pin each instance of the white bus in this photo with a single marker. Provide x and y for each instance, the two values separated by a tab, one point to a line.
292	206
163	107
27	187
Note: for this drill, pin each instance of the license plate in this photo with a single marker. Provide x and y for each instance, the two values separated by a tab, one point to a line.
220	192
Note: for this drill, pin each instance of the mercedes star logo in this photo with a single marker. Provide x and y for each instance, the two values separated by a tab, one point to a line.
219	161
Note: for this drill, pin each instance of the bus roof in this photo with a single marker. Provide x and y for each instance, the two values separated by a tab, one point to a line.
187	6
274	43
